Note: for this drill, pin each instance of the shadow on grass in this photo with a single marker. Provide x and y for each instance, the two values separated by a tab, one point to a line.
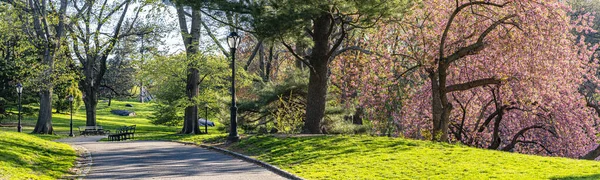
285	151
592	176
34	157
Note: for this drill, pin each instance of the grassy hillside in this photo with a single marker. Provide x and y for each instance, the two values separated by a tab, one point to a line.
24	156
365	157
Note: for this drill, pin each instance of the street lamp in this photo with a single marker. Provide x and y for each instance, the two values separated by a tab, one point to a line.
71	124
19	91
233	41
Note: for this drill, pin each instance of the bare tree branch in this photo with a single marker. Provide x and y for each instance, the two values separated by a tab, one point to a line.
472	84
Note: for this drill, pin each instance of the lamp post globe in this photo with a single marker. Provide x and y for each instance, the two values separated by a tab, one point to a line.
233	41
19	92
71	123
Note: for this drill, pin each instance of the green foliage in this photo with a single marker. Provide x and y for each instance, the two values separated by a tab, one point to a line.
167	114
290	18
367	157
19	62
60	98
290	114
169	74
24	156
277	105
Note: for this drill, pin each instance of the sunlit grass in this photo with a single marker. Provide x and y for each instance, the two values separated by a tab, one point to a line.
144	129
24	156
366	157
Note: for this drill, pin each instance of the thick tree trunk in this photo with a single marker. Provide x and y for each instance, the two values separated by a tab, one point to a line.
190	125
317	84
440	106
90	101
191	39
44	122
316	97
436	107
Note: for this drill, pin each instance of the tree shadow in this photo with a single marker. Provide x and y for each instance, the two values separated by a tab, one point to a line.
38	158
136	160
591	176
316	148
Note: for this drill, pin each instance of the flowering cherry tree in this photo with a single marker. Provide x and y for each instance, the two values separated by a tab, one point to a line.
493	74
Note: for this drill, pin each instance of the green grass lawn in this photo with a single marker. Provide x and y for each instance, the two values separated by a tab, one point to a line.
366	157
24	156
144	129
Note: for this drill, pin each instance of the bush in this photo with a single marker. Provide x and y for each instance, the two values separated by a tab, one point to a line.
166	114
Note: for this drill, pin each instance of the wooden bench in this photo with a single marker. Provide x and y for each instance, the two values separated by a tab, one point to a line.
123	133
92	130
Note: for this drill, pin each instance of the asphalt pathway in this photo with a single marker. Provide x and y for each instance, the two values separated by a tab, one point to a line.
164	160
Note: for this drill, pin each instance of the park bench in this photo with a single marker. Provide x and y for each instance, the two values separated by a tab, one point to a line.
92	130
123	133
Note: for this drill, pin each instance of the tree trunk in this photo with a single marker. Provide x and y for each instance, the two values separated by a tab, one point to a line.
317	84
109	101
91	101
357	118
141	92
191	40
190	125
263	64
496	135
440	106
268	66
44	122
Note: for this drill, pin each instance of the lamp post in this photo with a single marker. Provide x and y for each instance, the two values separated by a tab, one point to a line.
206	118
71	124
233	41
19	91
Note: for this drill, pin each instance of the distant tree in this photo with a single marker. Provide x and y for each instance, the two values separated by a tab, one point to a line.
119	79
92	45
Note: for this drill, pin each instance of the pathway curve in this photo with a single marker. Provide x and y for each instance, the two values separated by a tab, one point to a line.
164	160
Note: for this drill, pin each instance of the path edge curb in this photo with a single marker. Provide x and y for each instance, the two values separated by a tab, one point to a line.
84	167
268	166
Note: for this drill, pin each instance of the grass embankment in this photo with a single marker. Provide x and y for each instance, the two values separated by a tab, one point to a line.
24	156
365	157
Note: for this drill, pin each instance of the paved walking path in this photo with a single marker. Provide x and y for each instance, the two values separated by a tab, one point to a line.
164	160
